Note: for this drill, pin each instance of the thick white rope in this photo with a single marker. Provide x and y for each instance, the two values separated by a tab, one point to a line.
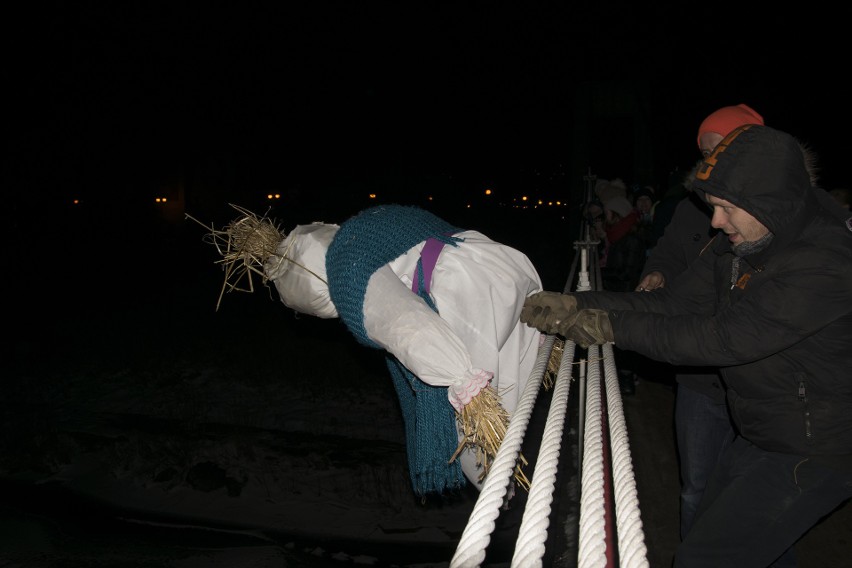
631	537
591	550
529	547
470	552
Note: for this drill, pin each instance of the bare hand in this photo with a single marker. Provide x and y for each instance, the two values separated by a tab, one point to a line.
651	281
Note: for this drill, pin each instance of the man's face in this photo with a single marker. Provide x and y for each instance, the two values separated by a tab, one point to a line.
737	223
644	203
708	142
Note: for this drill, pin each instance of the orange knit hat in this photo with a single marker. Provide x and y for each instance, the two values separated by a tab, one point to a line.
726	119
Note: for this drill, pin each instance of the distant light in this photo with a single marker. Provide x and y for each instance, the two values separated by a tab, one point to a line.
467	206
487	192
429	198
160	199
75	201
524	198
372	196
273	196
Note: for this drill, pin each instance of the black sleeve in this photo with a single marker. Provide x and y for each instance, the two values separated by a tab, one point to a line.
684	238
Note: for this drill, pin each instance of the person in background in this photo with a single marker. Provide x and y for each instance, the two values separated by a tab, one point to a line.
644	200
703	427
626	248
676	189
605	191
715	127
599	228
770	303
625	259
596	221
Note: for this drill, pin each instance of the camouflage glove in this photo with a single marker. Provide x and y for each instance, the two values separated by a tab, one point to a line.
550	312
589	327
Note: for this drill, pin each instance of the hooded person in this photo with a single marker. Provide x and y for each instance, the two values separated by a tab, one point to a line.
442	302
644	199
703	427
679	230
769	301
719	123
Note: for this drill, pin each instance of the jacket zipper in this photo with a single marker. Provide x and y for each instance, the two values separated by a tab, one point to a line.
806	413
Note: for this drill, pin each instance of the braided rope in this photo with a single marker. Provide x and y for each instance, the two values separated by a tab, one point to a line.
476	537
530	545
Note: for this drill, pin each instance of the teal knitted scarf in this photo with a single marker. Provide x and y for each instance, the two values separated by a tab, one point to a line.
362	245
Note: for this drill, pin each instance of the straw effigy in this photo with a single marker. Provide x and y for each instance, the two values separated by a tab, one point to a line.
248	242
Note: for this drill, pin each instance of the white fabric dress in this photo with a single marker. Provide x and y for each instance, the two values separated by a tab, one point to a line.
478	288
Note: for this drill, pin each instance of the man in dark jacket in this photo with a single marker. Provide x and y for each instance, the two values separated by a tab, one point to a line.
703	427
770	303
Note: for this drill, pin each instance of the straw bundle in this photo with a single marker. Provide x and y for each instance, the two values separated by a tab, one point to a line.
245	244
484	422
553	364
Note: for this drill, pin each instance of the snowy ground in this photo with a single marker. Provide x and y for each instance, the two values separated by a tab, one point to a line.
204	446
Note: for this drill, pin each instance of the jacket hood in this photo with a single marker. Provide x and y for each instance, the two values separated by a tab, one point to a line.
763	171
809	155
827	204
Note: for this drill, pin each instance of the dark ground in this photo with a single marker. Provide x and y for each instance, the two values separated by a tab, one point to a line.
61	529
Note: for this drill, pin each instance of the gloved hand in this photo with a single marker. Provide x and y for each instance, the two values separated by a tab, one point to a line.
589	327
550	312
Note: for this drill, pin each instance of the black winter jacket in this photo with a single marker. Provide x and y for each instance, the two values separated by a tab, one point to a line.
783	332
686	235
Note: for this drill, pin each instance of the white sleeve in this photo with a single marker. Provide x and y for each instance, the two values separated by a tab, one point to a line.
401	322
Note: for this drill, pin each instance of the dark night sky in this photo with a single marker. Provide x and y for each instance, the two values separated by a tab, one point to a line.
284	92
